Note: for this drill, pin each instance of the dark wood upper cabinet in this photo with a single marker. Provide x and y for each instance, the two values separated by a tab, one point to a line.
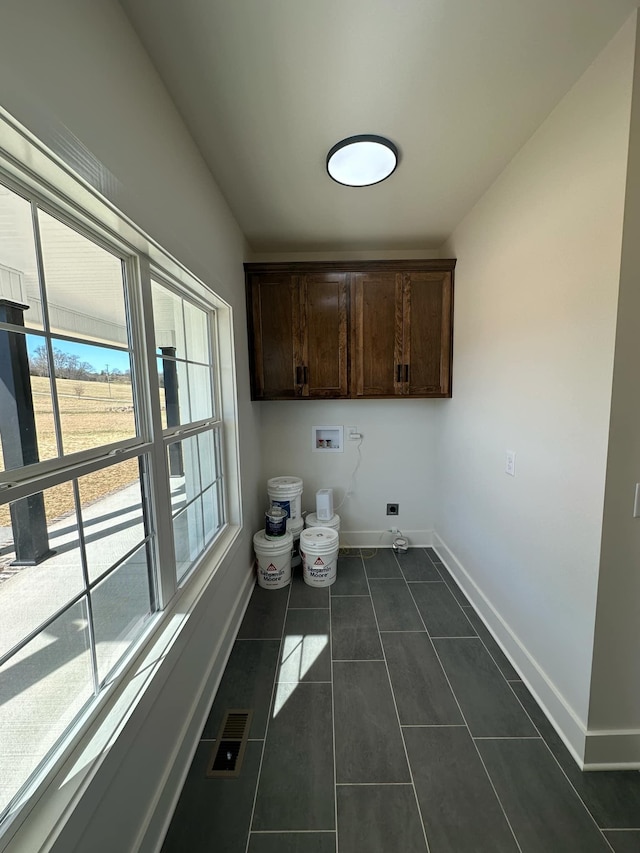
427	333
324	312
273	322
376	346
298	329
357	329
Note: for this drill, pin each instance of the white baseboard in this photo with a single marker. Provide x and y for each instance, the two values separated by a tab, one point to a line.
592	750
383	539
612	750
559	713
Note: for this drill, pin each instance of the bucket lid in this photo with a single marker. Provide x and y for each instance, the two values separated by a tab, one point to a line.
312	520
275	484
319	537
284	542
276	512
295	525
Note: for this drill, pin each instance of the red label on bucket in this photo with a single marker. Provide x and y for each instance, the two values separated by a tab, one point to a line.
271	568
318	562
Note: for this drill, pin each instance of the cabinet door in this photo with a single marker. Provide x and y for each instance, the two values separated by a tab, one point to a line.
427	304
324	330
377	334
275	324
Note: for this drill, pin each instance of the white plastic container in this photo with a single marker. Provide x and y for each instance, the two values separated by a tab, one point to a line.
295	527
287	493
312	520
274	560
324	504
319	549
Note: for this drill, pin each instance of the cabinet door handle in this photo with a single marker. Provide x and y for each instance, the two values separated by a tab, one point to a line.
299	375
406	373
399	373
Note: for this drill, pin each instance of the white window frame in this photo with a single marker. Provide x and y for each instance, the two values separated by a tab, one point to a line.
29	166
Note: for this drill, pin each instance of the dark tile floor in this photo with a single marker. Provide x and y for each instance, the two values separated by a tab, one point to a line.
386	718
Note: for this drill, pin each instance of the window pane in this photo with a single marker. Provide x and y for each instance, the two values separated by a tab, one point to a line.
41	528
184	467
27	431
200	392
212	512
121	606
168	322
112	510
208	458
174	392
94	395
84	285
189	537
43	687
18	267
197	326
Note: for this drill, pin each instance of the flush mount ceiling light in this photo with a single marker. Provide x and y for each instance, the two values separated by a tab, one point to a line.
360	161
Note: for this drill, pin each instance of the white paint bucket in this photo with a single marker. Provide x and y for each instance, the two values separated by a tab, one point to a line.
312	521
274	560
319	548
287	493
295	526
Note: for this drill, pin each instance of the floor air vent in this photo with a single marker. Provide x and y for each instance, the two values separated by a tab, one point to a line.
226	759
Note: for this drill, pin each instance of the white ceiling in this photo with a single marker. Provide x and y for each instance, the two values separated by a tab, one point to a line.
266	87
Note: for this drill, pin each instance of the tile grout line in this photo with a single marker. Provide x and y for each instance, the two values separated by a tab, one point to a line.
291	831
560	767
471	607
333	725
373	784
493	787
255	639
509	683
507	737
395	705
463	637
266	730
477	635
620	829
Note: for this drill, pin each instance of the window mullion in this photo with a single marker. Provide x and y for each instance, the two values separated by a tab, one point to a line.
159	473
19	483
85	578
44	307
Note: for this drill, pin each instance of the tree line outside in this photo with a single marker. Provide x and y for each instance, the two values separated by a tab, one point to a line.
69	366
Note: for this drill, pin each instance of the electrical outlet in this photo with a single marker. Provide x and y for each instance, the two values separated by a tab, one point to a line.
393	509
510	463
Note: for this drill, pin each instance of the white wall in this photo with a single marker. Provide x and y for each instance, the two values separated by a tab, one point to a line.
398	449
397	465
615	690
75	74
535	319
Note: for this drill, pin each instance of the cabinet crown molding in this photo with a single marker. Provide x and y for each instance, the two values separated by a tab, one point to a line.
426	265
